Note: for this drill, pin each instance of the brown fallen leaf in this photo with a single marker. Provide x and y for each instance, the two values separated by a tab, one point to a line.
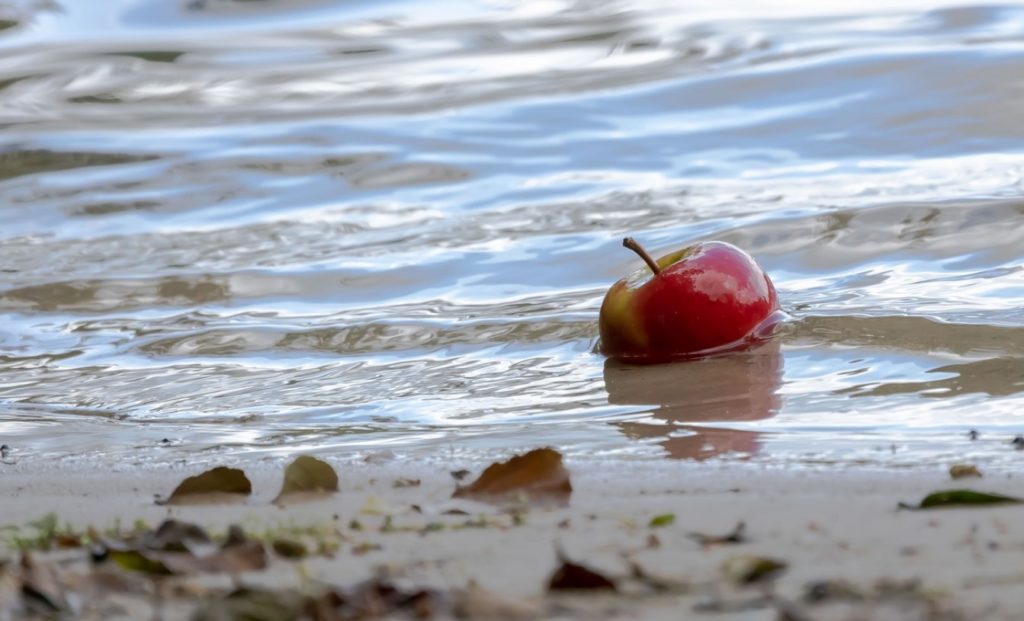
573	577
960	471
307	478
537	476
220	484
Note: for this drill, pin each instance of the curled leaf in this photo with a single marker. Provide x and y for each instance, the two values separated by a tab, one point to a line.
220	484
573	577
960	471
537	476
961	498
306	478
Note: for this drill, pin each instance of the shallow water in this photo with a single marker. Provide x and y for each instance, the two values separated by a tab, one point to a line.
276	226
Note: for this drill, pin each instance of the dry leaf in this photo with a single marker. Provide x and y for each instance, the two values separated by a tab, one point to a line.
307	478
960	471
573	577
537	476
221	484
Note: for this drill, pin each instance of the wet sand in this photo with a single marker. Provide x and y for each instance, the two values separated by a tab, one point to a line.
850	552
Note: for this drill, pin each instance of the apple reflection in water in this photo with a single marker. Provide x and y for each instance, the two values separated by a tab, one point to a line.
736	386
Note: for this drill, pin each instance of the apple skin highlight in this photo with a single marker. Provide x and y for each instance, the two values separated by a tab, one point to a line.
706	297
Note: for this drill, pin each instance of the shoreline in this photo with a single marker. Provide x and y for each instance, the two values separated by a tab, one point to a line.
829	526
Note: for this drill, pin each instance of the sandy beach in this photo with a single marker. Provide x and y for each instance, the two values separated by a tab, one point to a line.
849	551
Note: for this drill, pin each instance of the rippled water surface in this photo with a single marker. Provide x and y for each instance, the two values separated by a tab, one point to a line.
278	225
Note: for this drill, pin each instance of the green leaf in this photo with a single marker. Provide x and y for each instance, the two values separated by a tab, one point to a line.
665	519
308	476
220	484
961	498
133	560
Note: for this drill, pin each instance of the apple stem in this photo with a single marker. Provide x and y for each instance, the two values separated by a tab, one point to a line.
635	246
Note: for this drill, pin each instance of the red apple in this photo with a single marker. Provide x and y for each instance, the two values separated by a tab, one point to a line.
704	298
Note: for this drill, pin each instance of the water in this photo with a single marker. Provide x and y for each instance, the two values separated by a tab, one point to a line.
265	227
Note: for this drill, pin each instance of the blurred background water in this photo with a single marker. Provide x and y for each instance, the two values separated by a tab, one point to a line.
267	226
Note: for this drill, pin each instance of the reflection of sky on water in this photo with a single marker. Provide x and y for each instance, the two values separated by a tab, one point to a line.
362	224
